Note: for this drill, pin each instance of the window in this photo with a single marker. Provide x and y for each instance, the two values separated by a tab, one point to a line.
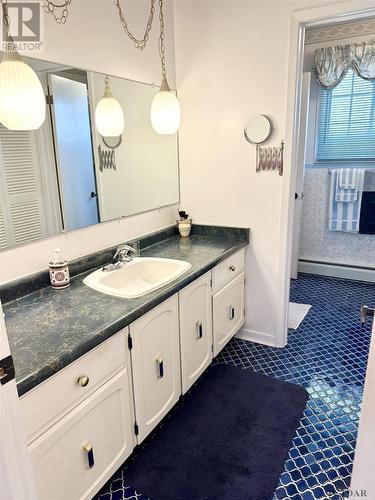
345	125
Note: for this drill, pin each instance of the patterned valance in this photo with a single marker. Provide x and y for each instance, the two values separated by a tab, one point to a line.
332	63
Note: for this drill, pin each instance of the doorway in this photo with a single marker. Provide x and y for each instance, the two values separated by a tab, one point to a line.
73	149
334	228
334	219
326	172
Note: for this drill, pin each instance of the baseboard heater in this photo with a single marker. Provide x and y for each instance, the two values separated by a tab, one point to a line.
361	273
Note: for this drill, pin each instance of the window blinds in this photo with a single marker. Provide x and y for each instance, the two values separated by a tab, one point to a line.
346	126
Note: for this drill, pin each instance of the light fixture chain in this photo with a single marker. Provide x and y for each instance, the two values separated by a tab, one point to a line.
138	43
11	48
161	39
6	19
50	7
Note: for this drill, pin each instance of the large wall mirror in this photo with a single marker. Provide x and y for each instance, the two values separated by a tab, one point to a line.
64	176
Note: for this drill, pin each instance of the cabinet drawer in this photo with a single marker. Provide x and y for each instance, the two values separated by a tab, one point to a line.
228	312
227	269
49	401
60	457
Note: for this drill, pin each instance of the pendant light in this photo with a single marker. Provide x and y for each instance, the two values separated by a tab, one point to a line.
22	100
109	116
165	108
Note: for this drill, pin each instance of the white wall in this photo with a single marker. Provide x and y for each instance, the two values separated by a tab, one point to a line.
232	61
93	39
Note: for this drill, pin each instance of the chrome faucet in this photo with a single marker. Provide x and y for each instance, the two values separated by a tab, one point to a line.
123	254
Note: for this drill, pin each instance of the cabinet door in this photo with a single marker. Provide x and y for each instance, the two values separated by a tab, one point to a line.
228	312
195	330
64	466
156	365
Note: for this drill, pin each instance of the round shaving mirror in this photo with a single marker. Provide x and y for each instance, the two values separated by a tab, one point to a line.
258	129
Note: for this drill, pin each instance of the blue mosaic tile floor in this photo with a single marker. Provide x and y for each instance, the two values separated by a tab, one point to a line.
327	355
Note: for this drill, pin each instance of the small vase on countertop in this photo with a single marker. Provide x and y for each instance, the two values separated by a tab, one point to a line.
184	223
59	271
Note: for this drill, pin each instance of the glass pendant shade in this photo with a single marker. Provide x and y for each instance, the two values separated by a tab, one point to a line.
165	110
22	100
109	116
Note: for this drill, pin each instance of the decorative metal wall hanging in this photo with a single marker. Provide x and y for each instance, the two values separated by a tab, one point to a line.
270	158
107	159
257	131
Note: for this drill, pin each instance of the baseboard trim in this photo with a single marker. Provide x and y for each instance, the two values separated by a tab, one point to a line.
336	271
257	337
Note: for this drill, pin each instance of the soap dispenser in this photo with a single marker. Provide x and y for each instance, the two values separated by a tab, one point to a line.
59	271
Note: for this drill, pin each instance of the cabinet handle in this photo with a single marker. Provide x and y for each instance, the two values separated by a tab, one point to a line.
232	268
199	329
231	312
160	364
90	455
83	380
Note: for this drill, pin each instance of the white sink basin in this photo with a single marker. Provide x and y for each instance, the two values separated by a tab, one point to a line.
138	277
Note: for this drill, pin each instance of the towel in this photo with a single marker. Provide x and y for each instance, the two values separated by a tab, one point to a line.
347	178
344	215
347	185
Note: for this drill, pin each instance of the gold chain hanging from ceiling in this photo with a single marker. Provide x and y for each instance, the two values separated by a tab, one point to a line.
138	43
51	7
161	39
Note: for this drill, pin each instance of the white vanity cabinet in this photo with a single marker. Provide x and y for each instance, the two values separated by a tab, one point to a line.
195	330
84	420
155	355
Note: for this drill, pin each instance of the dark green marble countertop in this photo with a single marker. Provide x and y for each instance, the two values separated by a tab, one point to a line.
48	329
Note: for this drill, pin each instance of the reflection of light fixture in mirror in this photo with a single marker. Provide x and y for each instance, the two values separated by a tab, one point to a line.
109	117
22	100
165	108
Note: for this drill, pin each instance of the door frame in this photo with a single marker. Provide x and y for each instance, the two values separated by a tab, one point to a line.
299	185
299	21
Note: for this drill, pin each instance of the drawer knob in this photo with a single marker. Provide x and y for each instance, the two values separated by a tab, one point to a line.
199	329
231	312
232	268
90	455
83	380
160	367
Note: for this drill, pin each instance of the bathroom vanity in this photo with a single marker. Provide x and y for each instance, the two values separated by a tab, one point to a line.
97	373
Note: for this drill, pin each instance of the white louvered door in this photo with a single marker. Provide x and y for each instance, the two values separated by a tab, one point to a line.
22	217
3	236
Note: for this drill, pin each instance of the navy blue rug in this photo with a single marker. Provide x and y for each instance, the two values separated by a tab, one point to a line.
228	439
